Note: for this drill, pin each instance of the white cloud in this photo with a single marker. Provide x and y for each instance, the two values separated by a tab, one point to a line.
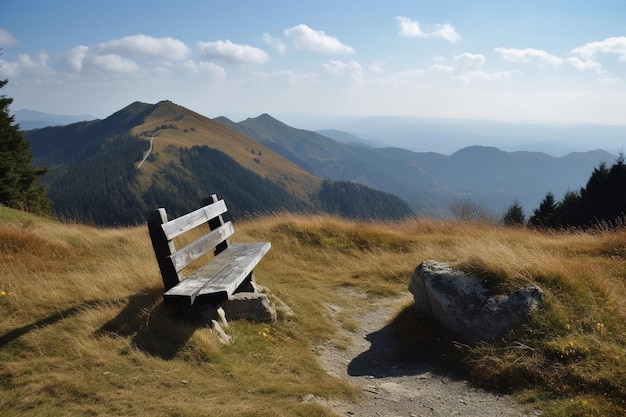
529	55
276	43
6	39
352	69
215	72
304	38
467	61
142	45
232	52
585	64
469	69
113	64
616	45
75	57
37	67
411	29
446	69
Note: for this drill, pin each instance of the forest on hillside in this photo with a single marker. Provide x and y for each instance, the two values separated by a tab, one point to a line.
93	178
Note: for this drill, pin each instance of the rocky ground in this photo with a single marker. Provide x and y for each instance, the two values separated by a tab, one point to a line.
391	388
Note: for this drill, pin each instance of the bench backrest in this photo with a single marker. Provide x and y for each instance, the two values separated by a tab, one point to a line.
163	232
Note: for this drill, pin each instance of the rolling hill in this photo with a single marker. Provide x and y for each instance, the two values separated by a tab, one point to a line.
96	176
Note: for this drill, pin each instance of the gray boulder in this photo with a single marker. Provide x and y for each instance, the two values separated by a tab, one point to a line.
251	306
461	303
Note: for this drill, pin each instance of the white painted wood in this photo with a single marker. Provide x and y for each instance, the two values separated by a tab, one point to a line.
195	250
186	222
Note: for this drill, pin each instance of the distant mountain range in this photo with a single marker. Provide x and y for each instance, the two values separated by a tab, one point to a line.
263	157
31	119
428	181
449	135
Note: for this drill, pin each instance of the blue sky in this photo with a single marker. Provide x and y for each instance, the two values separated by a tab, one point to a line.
550	61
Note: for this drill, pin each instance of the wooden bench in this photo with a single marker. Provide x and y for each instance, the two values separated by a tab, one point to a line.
229	271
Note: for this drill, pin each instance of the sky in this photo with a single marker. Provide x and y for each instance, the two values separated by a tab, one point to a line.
548	61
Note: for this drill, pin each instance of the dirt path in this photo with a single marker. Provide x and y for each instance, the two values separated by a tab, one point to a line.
391	388
147	153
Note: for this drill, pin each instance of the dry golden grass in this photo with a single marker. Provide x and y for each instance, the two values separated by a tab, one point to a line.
193	129
84	332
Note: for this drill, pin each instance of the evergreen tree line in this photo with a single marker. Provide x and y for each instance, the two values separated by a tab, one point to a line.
357	201
601	201
19	177
101	189
202	171
247	193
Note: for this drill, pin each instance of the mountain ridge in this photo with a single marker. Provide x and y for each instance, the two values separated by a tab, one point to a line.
95	176
430	181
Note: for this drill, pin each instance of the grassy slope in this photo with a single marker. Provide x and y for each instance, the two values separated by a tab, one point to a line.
83	331
194	129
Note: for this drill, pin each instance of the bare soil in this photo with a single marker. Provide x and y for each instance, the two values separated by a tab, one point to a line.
390	387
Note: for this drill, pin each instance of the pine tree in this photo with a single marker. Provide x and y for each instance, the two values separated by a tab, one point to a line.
570	210
546	214
514	215
603	199
18	176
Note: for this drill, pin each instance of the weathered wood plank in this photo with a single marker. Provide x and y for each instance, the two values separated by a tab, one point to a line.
223	274
194	250
188	221
240	267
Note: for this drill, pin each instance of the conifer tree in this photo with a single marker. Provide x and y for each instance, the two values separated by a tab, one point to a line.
18	176
546	214
514	215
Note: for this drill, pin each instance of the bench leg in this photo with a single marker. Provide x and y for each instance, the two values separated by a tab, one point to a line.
248	284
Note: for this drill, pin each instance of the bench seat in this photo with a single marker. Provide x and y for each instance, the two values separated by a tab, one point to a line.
219	278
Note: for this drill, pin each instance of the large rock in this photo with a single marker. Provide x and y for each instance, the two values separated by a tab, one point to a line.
461	303
251	306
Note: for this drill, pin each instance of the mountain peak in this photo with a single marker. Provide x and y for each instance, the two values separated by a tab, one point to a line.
266	118
265	126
